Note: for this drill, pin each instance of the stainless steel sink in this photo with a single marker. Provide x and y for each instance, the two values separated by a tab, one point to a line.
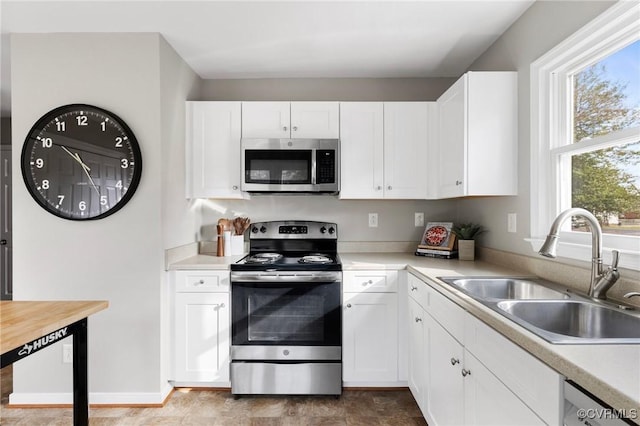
565	321
551	312
500	288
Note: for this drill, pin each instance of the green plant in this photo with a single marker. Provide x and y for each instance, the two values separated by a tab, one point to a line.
467	231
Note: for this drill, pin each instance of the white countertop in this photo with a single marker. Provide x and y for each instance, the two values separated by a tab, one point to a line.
611	372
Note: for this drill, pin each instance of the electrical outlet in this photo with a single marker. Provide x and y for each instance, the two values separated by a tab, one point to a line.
511	222
373	220
418	219
67	353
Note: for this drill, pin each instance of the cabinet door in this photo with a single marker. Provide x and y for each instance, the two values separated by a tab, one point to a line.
487	401
317	120
266	120
213	150
361	150
370	337
405	149
445	389
452	134
417	355
201	337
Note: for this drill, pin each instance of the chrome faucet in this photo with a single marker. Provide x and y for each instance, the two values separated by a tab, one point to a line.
601	281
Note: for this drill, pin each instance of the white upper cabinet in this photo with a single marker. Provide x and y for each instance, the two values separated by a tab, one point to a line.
406	149
317	120
384	149
213	150
361	150
477	136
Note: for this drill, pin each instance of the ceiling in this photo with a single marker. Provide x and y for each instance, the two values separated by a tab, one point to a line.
267	39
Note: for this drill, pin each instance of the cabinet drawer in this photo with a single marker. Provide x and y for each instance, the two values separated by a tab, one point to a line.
201	281
447	313
417	290
370	281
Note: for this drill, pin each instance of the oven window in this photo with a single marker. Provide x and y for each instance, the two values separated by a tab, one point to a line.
278	166
286	314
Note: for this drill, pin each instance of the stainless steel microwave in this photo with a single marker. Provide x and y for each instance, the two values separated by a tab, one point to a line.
291	165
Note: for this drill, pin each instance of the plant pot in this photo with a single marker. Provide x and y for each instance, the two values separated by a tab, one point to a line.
466	249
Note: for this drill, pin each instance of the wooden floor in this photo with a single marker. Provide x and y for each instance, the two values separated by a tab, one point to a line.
206	407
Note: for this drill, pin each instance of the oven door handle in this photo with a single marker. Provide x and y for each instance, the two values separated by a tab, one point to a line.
284	278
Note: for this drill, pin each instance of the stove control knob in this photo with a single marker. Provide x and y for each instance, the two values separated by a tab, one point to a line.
263	229
332	230
323	230
254	229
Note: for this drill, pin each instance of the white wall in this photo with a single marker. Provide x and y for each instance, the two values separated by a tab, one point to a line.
540	28
119	258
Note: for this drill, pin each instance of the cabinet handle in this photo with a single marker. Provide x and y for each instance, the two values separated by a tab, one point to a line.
389	187
413	288
458	182
367	282
200	282
348	305
378	188
455	361
235	187
465	373
295	128
284	127
418	319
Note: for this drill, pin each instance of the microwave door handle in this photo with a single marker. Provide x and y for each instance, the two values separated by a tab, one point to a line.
313	167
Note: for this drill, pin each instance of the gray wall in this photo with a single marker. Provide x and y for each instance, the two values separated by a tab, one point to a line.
326	89
119	258
544	25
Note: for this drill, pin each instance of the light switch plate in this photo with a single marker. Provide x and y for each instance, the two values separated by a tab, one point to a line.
373	220
418	219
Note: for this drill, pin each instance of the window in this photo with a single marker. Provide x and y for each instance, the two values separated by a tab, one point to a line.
585	141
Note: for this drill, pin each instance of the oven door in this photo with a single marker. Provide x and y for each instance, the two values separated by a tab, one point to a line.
285	311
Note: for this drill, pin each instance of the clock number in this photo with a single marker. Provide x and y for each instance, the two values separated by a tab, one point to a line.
82	205
39	163
103	126
45	184
119	142
103	200
82	120
124	163
61	126
47	142
60	199
119	184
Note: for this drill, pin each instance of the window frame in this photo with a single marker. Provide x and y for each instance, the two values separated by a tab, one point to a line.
551	127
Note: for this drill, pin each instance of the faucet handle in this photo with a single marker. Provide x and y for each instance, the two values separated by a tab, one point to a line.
631	294
615	257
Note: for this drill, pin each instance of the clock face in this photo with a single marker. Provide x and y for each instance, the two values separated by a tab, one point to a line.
81	162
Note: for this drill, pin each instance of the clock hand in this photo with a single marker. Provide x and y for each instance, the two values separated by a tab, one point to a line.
86	168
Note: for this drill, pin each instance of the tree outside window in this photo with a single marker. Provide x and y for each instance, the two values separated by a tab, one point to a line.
605	176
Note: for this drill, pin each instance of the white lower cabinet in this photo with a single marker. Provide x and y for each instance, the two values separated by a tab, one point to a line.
470	374
370	339
201	322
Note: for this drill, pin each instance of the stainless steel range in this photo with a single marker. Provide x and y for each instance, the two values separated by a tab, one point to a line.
286	311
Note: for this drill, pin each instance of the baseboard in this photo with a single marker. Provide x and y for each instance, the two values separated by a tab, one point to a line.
62	399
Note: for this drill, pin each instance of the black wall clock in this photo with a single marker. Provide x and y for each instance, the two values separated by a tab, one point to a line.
81	162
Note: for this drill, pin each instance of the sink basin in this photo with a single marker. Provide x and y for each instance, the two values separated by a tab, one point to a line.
565	321
490	288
